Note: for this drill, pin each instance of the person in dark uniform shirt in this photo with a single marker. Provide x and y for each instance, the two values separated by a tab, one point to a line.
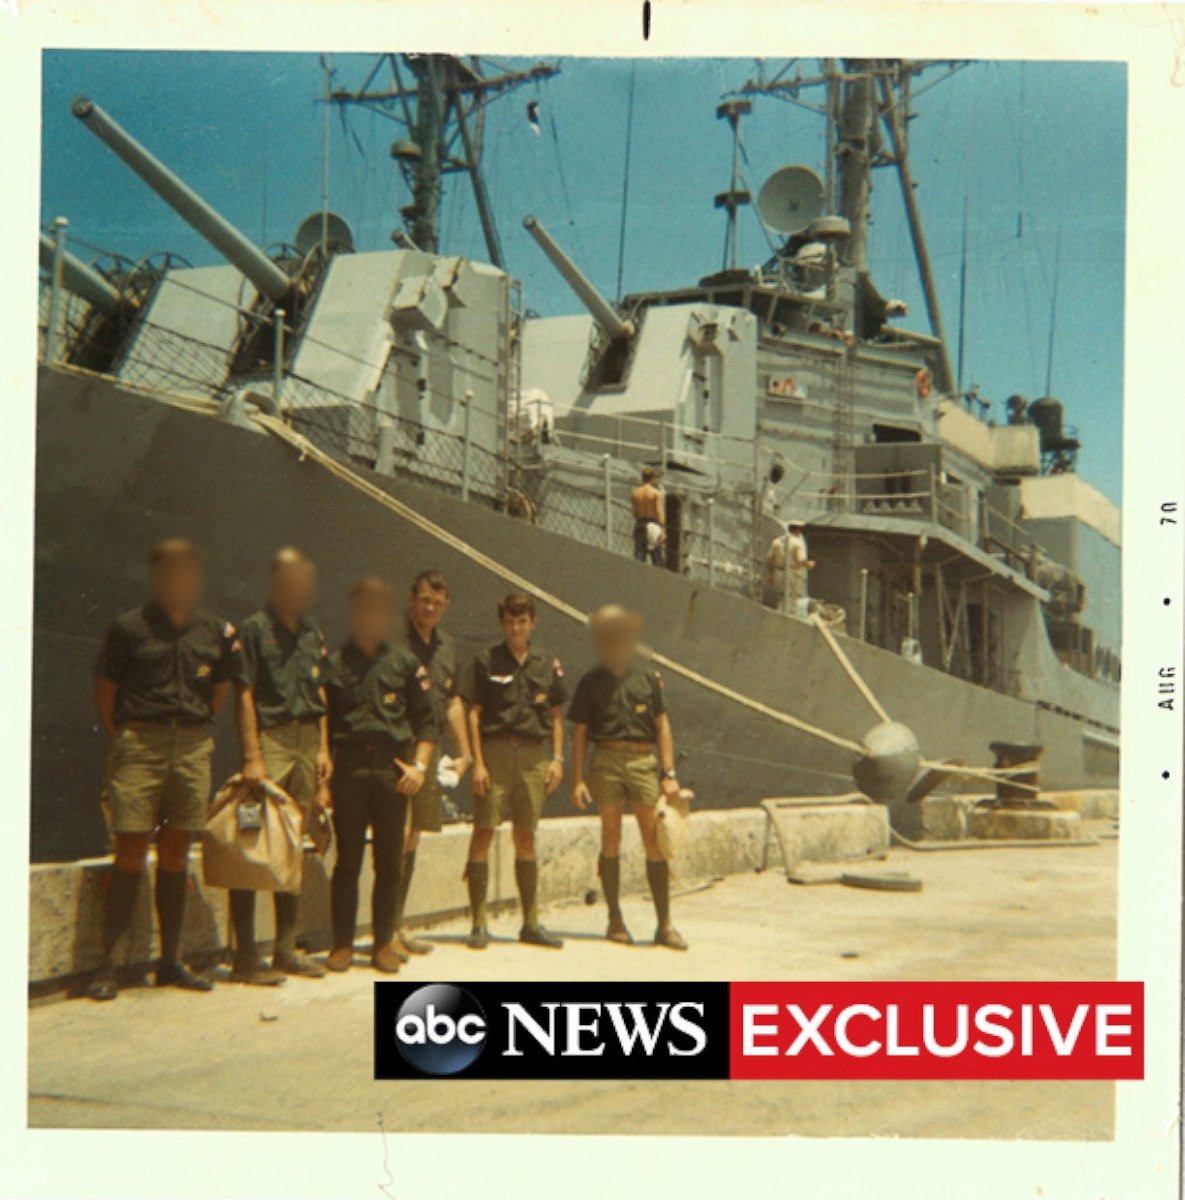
516	692
285	738
162	674
383	732
620	708
437	653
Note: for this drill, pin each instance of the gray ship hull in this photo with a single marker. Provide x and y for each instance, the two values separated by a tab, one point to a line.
117	470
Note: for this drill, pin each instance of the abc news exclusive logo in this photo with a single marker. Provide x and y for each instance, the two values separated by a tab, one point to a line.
759	1031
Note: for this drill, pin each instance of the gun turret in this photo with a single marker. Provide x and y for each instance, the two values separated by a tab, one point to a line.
80	279
602	311
219	232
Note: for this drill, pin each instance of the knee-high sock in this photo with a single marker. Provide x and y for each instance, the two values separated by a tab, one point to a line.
119	909
610	872
242	920
526	875
659	875
287	904
409	865
478	876
170	912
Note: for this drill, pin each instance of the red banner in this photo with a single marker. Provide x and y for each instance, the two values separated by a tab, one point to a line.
936	1030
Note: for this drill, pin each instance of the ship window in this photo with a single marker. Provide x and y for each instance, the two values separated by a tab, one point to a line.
894	433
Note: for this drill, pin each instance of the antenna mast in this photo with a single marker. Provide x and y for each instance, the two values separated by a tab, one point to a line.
438	100
860	96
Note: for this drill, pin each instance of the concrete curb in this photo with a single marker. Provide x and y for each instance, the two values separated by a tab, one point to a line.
65	900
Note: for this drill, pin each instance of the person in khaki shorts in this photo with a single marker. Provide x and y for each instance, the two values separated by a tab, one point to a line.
285	738
516	692
162	674
427	604
620	707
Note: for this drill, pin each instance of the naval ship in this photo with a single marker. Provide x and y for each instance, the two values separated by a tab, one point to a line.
393	409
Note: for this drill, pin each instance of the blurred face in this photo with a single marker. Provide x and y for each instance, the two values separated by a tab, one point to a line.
427	606
294	587
177	583
517	629
371	618
615	648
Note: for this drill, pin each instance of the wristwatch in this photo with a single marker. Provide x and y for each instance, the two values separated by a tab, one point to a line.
670	774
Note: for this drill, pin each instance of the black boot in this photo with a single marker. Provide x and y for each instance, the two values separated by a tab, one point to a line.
285	956
609	870
526	875
247	967
413	945
659	875
119	909
477	875
170	913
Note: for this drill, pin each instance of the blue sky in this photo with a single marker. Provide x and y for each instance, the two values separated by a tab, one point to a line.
1034	153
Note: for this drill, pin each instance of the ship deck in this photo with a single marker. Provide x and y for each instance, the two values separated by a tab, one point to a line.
299	1057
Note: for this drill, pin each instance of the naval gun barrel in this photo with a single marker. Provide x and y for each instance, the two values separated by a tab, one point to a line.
79	278
602	311
218	231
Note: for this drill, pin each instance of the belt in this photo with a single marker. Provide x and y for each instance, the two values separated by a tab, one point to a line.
164	723
635	747
297	722
371	745
515	739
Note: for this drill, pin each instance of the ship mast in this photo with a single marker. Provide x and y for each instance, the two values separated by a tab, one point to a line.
862	97
439	102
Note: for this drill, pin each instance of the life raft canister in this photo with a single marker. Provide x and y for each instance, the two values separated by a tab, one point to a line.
922	380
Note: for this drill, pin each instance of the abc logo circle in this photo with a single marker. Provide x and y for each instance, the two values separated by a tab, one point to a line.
440	1029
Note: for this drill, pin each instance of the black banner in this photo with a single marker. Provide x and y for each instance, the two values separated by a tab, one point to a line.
604	1030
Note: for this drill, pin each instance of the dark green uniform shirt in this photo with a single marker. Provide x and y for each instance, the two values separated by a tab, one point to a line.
165	674
619	710
439	658
515	698
285	670
386	697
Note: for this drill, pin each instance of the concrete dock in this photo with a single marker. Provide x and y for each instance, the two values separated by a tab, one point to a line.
299	1057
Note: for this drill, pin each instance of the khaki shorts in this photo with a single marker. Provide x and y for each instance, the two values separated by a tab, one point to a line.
518	783
427	805
623	777
290	759
157	775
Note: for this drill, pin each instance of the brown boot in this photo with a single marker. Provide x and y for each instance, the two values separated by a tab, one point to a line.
386	959
340	958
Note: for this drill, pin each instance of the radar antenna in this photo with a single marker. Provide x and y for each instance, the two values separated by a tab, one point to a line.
862	98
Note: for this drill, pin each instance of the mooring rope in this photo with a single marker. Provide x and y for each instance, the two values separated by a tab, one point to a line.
309	450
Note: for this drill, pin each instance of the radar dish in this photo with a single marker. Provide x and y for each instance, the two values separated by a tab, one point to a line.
337	234
790	199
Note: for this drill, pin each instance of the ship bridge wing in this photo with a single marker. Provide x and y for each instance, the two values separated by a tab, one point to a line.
938	544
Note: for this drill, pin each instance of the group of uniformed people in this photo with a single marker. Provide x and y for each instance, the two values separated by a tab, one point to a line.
358	734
